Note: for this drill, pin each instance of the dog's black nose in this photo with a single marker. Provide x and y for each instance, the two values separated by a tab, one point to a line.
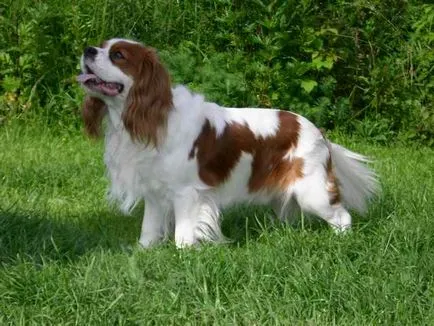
90	52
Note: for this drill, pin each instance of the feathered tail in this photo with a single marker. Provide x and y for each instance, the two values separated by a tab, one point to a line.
357	183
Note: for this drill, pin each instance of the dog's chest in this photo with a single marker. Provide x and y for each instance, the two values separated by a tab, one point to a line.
133	169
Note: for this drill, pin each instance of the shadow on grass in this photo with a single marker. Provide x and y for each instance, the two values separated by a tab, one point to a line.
37	237
243	223
248	223
34	237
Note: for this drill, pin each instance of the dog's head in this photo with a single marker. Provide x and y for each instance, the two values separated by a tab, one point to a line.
125	75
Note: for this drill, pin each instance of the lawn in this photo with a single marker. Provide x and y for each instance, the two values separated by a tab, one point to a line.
67	257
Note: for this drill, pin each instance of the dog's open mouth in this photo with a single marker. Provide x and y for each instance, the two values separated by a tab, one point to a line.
94	83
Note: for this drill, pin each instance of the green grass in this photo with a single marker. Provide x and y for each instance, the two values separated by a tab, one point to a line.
68	258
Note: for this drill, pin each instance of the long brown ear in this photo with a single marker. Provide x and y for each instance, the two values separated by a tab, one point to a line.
93	113
149	100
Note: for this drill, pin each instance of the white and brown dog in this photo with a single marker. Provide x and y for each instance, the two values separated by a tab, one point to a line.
188	158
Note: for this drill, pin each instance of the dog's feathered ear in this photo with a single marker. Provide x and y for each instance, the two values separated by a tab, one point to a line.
93	113
149	100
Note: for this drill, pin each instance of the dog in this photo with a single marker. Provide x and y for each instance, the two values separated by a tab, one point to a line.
188	158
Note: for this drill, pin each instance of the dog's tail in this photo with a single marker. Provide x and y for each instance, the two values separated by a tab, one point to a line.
357	183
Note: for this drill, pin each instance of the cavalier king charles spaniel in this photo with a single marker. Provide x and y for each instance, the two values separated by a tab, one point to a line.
188	158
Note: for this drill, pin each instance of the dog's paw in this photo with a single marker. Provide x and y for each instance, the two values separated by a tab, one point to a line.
148	242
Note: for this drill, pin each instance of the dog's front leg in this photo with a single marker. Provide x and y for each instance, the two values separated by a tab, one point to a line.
154	222
187	206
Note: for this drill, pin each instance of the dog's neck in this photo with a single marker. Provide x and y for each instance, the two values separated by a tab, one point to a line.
115	123
115	114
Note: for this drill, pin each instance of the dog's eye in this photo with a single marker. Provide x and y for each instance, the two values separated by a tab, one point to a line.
116	56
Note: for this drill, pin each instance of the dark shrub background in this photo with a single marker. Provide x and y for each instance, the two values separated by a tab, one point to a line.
360	66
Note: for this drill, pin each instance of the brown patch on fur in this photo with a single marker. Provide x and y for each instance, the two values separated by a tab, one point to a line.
278	174
93	113
103	44
332	184
150	98
269	169
217	156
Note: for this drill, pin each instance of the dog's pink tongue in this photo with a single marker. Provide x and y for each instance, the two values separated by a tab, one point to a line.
109	89
85	77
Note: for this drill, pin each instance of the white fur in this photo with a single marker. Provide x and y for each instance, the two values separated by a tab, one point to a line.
168	181
262	125
357	182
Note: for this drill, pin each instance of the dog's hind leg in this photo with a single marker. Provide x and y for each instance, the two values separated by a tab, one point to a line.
315	195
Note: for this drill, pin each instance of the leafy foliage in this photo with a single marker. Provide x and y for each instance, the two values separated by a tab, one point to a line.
363	66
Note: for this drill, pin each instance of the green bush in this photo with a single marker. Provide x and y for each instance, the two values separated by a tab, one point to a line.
361	66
